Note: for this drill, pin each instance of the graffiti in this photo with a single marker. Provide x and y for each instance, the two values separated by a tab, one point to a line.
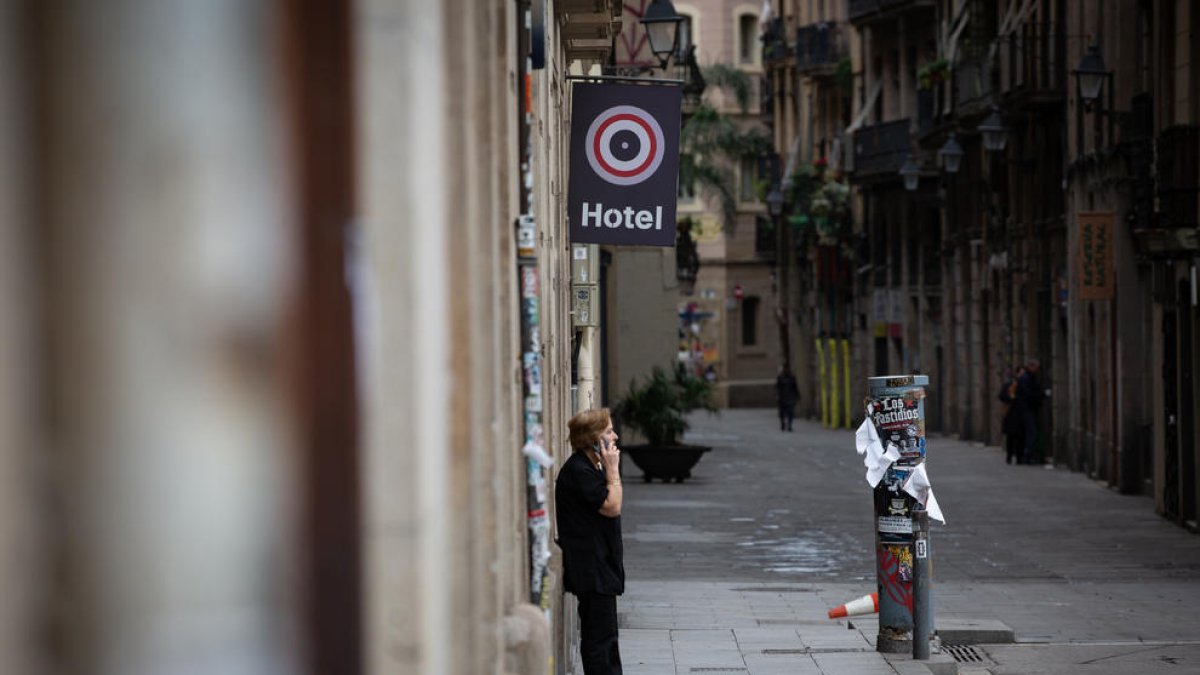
895	575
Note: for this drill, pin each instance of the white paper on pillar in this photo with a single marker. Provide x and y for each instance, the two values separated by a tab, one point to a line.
538	454
875	458
918	486
876	470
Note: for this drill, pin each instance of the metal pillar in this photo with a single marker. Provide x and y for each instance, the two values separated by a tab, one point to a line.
897	409
922	602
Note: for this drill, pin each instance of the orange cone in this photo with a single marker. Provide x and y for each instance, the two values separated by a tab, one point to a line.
867	604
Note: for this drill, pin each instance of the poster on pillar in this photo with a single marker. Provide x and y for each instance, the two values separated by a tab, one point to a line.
624	164
1095	255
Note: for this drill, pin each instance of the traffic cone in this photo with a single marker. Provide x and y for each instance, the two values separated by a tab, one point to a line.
867	604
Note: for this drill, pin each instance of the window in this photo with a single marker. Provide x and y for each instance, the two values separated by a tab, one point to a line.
749	321
684	34
748	176
747	38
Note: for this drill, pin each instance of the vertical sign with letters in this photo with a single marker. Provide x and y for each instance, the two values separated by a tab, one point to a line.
624	164
1095	262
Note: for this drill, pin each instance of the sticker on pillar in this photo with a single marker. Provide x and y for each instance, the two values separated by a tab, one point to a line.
895	525
922	549
901	556
624	164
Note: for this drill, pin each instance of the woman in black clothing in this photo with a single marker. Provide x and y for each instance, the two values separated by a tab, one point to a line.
588	495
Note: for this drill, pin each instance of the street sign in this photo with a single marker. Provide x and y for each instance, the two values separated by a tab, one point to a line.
624	164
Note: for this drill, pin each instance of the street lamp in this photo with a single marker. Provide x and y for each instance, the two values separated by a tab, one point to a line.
951	154
775	202
1091	74
911	173
995	134
783	254
662	27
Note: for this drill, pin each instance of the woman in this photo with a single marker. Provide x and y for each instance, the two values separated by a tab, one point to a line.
588	495
1012	424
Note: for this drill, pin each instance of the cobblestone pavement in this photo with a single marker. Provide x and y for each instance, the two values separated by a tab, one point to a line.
733	570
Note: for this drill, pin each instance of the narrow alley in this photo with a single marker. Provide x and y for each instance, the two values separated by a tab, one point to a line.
733	570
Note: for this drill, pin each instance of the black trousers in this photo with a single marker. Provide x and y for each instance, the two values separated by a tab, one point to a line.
598	634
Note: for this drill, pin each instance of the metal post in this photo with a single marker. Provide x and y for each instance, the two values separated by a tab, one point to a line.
922	602
897	409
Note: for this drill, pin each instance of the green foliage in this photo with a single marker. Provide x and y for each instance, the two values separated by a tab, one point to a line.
658	407
844	76
731	79
712	144
933	73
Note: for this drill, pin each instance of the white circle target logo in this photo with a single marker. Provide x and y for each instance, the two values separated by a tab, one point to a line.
625	145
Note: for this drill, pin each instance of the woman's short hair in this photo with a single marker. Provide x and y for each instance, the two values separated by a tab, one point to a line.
587	426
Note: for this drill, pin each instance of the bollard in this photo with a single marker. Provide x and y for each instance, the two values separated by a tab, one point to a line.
897	409
922	605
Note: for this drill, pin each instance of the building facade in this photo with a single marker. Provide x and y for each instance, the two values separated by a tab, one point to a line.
726	318
285	333
1064	235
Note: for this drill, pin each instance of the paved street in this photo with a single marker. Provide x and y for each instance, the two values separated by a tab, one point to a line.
733	571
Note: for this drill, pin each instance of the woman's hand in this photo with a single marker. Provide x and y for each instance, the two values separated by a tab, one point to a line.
610	456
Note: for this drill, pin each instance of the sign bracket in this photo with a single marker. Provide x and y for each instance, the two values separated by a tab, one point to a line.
623	78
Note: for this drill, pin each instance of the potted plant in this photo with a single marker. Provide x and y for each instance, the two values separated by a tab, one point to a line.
657	408
933	73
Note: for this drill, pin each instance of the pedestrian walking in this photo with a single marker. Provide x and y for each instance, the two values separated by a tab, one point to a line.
1029	394
1013	422
588	497
786	395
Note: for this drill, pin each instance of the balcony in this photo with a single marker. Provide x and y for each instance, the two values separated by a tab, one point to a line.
774	39
881	148
930	110
1168	231
588	27
1032	63
818	48
1178	189
972	86
860	11
766	101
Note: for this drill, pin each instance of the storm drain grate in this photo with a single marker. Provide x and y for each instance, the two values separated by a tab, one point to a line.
963	653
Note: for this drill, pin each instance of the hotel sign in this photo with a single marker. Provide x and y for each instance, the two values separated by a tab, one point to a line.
624	164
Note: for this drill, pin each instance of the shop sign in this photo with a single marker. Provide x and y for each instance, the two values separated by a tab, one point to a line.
1095	256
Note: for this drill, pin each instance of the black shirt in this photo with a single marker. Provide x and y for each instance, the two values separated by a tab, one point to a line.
590	541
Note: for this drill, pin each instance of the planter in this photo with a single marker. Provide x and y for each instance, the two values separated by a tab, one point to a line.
665	463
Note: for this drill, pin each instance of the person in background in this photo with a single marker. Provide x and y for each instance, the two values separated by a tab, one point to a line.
1013	423
588	497
786	394
1029	394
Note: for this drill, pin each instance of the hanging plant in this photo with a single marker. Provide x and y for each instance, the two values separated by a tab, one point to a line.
933	73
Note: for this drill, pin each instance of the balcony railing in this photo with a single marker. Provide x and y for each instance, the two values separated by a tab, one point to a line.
774	40
1031	60
817	46
1178	176
881	148
1140	148
972	84
930	109
860	9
